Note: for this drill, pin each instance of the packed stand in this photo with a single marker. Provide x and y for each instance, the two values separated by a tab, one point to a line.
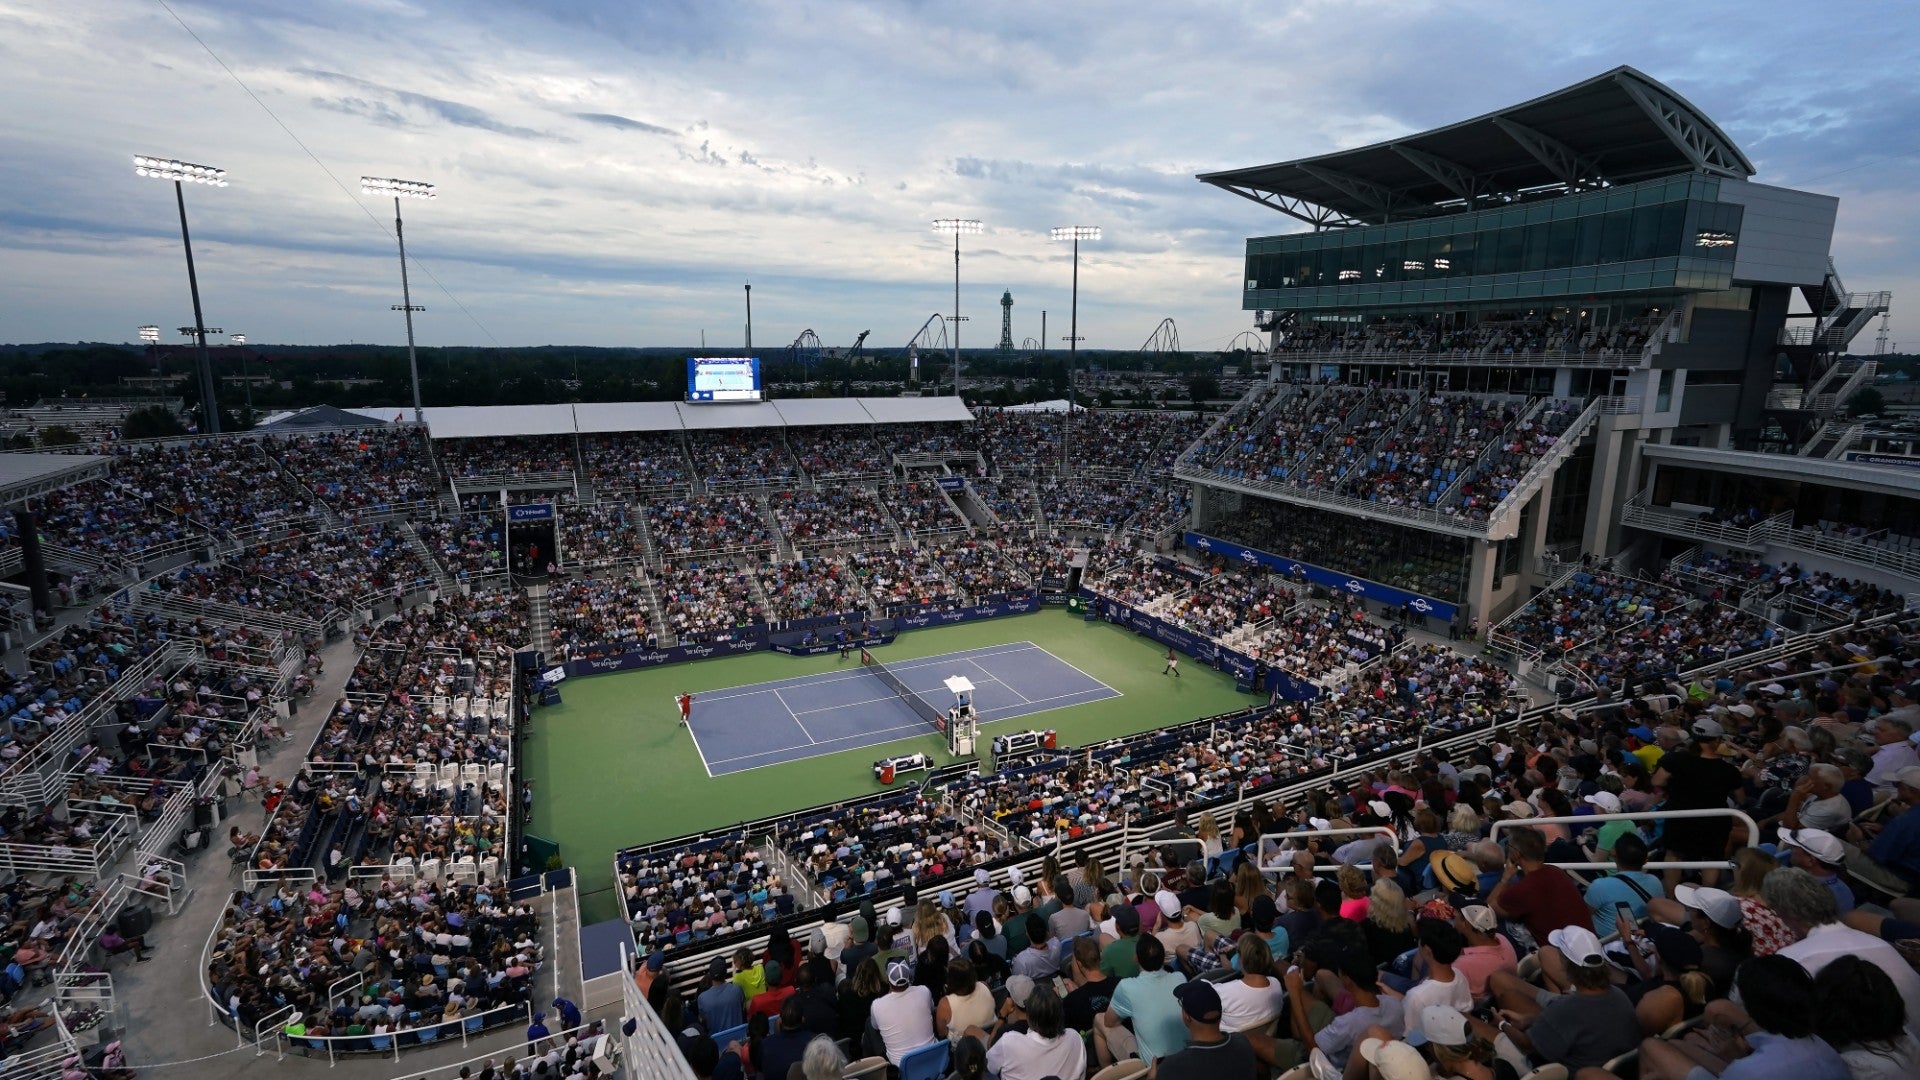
980	570
1614	628
1320	641
743	458
635	461
215	483
599	616
903	580
830	516
470	545
1012	501
716	885
1417	465
600	535
809	588
1411	558
1020	442
957	439
371	469
705	602
858	848
921	508
1227	600
517	455
1128	440
426	954
308	573
1093	503
1488	482
838	452
707	523
110	518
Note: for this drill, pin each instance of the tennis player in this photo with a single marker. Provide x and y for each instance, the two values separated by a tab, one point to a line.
1173	664
685	701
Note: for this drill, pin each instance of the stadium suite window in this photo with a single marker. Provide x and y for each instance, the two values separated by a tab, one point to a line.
1359	257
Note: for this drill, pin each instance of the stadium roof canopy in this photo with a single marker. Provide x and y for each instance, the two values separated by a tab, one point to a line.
27	476
589	418
1613	129
327	416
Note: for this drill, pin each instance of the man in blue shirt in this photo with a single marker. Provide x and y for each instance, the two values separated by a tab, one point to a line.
1898	846
536	1033
1629	885
569	1013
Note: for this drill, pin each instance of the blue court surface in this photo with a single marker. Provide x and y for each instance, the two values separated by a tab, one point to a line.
747	727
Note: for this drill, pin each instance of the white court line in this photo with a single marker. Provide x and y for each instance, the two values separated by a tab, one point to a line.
1110	693
696	745
847	705
795	716
827	679
920	727
991	677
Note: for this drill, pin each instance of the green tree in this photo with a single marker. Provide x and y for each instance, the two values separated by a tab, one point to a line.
1868	402
59	435
151	422
1203	388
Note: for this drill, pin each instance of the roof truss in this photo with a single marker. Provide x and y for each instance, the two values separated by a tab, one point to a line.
1319	217
1568	165
1706	147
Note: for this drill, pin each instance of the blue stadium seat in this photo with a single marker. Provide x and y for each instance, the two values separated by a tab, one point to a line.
927	1063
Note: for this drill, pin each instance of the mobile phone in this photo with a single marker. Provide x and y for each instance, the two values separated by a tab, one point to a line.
1623	910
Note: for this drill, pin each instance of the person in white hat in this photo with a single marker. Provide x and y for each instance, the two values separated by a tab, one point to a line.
904	1015
1821	854
1587	1026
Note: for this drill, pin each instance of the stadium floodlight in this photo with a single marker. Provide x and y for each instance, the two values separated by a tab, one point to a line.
399	189
403	189
958	227
1075	233
237	339
246	377
183	173
150	335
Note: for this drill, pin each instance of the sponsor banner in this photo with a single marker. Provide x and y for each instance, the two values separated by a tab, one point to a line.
1243	668
654	658
1019	605
823	647
1883	459
953	483
1320	575
852	619
530	512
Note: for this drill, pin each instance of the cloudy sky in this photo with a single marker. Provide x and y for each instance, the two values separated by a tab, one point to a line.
611	172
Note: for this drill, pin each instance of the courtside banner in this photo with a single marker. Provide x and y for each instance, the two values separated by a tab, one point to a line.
643	658
821	648
1320	575
1019	605
1241	666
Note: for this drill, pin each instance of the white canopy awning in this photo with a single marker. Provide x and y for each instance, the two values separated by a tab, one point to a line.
498	421
717	417
597	417
916	410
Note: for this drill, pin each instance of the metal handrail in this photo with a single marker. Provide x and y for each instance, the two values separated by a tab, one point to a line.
1739	816
1278	847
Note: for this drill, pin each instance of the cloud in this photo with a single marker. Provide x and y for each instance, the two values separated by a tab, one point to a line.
624	123
809	145
456	113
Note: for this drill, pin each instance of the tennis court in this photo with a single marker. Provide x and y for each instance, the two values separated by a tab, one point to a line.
747	727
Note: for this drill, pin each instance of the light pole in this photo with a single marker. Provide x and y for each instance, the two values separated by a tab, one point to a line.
1075	233
246	377
183	173
403	189
957	226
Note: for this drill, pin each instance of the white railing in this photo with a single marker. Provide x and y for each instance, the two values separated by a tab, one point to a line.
92	861
1274	845
1739	816
1563	448
649	1049
31	779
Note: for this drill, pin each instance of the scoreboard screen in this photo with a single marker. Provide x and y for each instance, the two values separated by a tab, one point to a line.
723	378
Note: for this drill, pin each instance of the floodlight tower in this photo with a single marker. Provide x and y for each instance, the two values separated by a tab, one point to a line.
958	227
1075	233
183	173
403	189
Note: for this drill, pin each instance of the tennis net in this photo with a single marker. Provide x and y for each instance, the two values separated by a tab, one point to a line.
914	701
